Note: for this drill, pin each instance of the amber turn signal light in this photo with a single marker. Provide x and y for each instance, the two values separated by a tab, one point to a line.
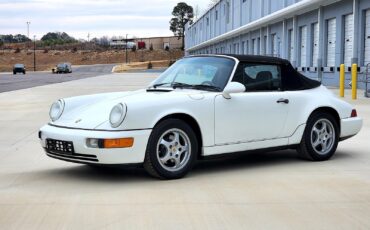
118	143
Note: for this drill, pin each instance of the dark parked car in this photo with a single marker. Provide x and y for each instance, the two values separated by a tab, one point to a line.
64	68
19	68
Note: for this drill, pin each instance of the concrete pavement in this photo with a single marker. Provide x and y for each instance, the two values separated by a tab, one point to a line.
269	190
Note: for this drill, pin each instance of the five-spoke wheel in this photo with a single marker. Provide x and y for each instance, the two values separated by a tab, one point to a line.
172	149
323	136
320	139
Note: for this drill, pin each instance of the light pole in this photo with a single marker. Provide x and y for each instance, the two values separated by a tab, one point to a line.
34	53
28	29
88	41
126	49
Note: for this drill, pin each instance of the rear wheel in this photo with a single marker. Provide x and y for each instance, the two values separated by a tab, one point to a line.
320	138
171	150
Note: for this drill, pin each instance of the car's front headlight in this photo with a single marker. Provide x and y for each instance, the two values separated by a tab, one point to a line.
117	115
56	110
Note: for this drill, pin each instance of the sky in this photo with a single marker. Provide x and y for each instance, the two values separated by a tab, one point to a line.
78	18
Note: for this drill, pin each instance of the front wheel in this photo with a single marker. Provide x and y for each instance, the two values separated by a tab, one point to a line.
172	149
320	138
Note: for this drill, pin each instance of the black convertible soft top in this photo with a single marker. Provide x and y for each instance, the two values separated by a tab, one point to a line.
291	78
259	59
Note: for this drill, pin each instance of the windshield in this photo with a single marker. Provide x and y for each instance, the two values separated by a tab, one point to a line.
60	65
213	72
18	65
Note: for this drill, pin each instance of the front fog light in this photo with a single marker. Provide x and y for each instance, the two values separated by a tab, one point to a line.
117	115
93	143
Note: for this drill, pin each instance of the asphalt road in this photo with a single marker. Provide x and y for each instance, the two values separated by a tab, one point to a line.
261	191
10	82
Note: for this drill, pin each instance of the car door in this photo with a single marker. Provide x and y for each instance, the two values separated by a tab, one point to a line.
258	114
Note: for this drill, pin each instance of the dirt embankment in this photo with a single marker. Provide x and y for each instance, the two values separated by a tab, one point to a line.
143	65
46	60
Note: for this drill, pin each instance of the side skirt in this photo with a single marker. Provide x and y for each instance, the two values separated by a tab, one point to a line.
239	153
244	146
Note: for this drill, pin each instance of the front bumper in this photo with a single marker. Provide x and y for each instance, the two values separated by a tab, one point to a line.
350	127
85	154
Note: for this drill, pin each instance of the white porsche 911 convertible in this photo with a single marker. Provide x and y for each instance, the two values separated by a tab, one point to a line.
201	106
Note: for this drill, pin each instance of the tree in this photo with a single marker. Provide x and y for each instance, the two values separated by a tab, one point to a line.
19	38
183	13
104	41
57	38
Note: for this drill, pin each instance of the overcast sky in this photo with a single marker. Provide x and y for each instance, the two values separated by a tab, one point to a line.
97	17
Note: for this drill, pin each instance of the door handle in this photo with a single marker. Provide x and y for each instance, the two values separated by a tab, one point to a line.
283	100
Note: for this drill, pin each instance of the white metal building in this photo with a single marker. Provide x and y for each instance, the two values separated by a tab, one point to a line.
315	35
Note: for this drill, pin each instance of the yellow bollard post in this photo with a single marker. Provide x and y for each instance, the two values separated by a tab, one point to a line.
354	81
341	81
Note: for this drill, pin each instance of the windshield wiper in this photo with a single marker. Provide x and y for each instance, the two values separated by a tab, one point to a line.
199	87
176	85
172	84
158	85
180	85
207	87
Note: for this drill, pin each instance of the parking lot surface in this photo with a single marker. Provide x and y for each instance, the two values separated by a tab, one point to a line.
10	82
254	191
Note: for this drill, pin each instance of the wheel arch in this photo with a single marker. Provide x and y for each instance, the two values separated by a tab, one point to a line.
190	120
329	110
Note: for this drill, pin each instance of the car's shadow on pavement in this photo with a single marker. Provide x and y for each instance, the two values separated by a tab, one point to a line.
247	162
105	174
256	160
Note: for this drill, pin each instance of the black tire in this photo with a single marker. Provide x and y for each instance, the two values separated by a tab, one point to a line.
152	163
14	73
306	149
24	72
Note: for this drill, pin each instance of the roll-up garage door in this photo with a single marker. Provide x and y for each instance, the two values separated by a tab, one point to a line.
331	40
367	37
255	47
274	45
290	45
315	44
303	48
348	39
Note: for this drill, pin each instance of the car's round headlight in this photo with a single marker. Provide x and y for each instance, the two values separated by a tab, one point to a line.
117	115
56	110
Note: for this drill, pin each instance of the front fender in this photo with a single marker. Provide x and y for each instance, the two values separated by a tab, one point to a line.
147	115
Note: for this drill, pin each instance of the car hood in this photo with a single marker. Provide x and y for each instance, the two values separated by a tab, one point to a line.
89	112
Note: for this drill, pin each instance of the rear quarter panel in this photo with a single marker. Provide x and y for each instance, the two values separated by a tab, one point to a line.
303	103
